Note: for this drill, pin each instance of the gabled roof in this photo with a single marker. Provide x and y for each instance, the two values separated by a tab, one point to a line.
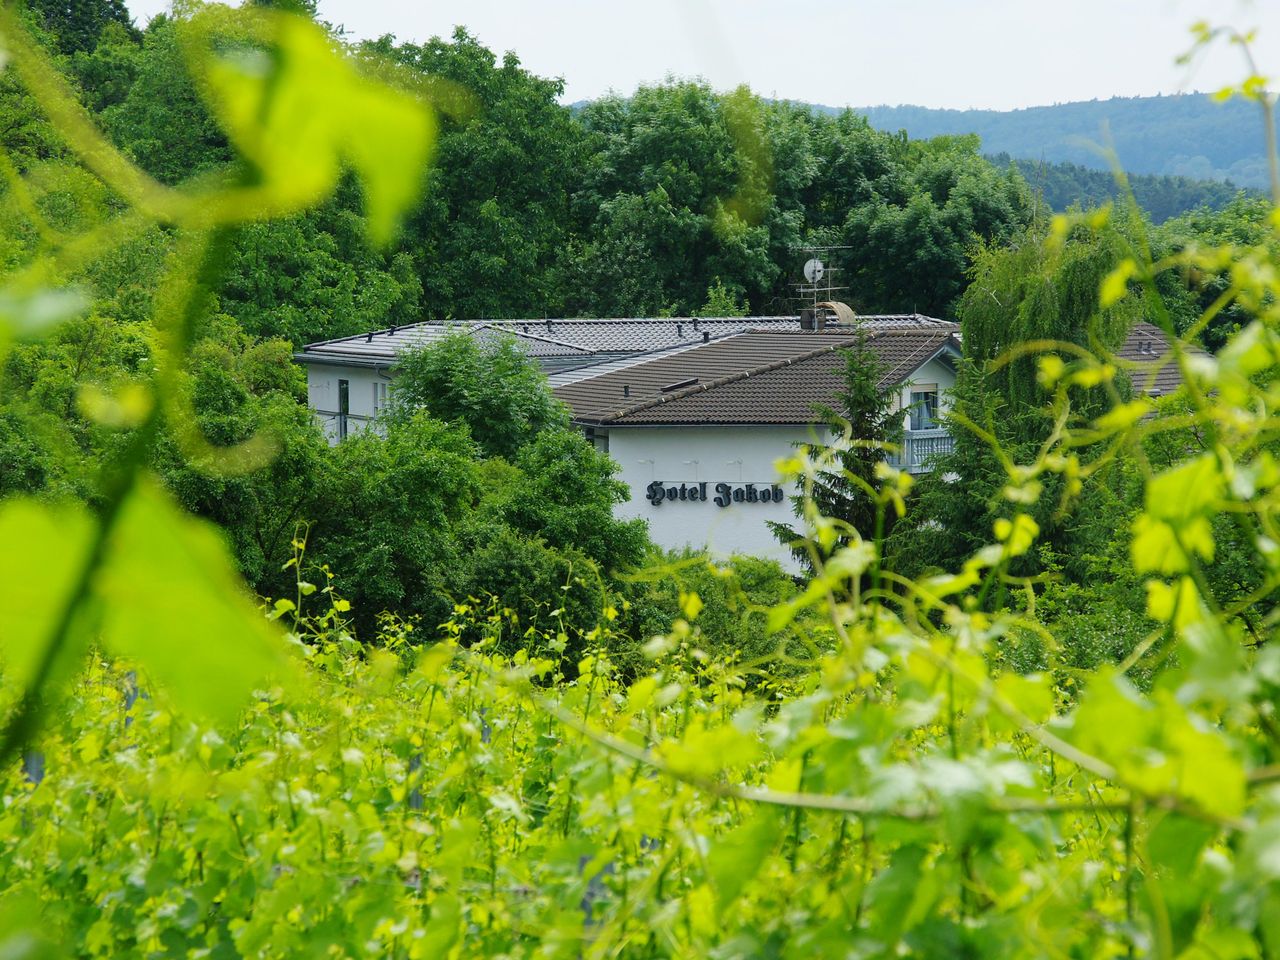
757	377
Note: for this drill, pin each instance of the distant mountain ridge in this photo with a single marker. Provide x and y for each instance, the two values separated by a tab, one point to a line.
1185	135
1063	185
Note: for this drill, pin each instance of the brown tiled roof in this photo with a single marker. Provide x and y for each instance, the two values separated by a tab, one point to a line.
754	377
1146	357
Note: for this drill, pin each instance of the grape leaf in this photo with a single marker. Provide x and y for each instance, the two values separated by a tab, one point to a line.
302	112
174	602
38	579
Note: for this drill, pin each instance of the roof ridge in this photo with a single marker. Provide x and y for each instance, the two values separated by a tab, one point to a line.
727	378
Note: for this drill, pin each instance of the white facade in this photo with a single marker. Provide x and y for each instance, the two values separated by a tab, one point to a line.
728	459
366	392
736	457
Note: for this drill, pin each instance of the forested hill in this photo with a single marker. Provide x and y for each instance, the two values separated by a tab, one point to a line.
1187	135
1064	185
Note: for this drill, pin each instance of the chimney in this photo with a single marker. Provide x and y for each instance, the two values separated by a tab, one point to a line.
807	319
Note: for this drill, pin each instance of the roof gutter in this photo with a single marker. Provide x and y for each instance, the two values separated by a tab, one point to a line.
375	362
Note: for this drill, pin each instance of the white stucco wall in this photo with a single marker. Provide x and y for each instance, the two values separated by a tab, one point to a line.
322	395
689	455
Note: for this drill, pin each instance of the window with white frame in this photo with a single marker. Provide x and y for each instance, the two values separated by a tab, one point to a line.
379	396
924	406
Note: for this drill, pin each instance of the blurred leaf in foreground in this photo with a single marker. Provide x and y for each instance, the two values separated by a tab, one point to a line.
175	603
37	580
303	110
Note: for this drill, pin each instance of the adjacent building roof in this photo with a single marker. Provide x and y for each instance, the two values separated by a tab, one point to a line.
1151	366
541	339
559	344
756	377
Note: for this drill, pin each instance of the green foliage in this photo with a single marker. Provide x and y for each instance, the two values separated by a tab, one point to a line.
1065	186
1038	291
29	137
865	429
495	214
162	123
672	171
721	302
1192	290
566	496
157	564
77	25
911	243
721	608
385	512
491	386
129	570
315	277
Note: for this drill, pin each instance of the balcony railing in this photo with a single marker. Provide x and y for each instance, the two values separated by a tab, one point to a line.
920	448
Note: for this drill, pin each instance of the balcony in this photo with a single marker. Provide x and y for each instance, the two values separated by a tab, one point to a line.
920	448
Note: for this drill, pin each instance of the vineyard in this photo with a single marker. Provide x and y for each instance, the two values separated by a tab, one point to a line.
892	757
408	805
907	795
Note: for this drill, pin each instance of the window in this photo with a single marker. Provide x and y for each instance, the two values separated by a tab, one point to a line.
344	407
379	396
924	407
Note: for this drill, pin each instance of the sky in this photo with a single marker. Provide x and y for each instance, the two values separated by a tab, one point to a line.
960	54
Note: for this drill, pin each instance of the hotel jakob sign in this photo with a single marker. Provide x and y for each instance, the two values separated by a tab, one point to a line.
659	492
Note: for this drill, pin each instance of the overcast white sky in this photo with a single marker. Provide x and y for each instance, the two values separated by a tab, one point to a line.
997	54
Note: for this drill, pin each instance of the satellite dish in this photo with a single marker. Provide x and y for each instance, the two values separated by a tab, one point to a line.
813	270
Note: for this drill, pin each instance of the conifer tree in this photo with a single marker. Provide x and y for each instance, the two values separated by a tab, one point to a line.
865	427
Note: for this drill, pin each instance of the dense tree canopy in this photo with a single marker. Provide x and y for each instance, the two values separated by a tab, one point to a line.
77	25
